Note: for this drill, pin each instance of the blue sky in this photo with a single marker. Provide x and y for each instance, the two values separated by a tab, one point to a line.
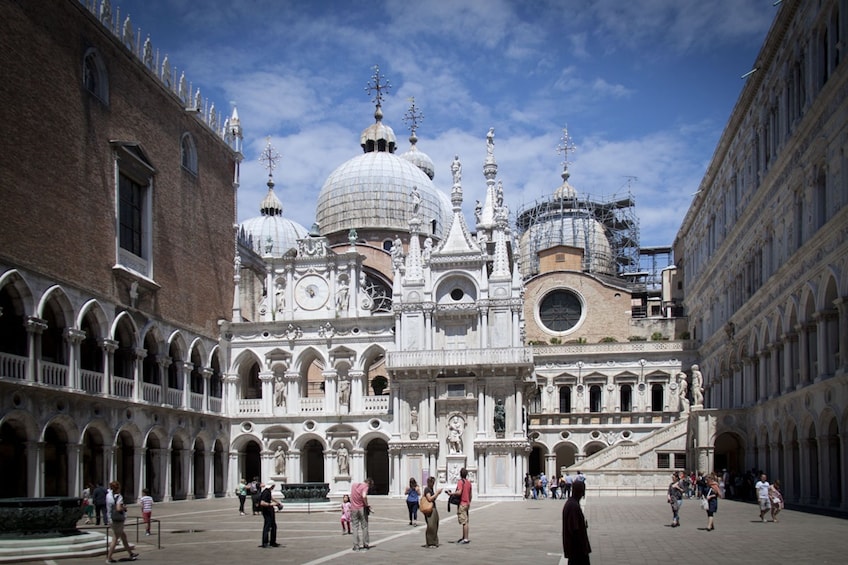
645	88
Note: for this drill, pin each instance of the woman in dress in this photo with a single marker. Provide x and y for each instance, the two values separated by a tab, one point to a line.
241	493
675	498
431	536
776	500
413	493
345	519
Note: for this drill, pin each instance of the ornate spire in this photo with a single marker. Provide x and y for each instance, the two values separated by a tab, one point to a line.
269	157
378	137
271	205
565	147
377	85
412	118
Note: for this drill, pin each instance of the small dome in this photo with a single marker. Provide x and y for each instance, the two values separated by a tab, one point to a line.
420	160
271	233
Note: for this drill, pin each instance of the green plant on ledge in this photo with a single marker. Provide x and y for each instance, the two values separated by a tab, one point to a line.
555	341
658	336
608	339
637	338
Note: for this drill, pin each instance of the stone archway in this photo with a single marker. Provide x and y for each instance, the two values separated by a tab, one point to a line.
55	461
566	456
13	471
218	470
250	461
199	469
536	461
312	456
377	465
92	458
729	453
125	462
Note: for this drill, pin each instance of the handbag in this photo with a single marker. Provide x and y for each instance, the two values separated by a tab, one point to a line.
705	504
425	505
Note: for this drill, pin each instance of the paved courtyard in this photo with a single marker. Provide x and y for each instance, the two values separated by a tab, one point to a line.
621	530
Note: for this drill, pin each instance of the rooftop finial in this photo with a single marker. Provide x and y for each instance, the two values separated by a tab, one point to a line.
378	84
413	117
269	157
565	147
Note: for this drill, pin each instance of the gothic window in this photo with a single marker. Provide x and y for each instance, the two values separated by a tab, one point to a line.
188	154
561	310
135	202
94	77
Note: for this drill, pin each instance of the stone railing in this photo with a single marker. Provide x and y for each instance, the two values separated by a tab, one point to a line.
122	387
54	374
631	347
92	381
13	366
250	406
375	403
151	393
460	357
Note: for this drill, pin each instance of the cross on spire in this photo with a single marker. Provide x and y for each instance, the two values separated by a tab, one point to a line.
413	116
269	157
565	147
378	84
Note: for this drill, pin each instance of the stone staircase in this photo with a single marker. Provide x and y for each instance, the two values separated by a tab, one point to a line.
36	548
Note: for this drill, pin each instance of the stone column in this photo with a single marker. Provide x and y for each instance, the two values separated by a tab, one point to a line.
330	391
842	340
823	470
207	377
35	468
110	471
231	397
821	363
109	347
356	391
803	356
163	361
266	378
140	464
74	485
74	337
209	470
185	379
482	414
232	474
518	412
165	466
34	327
138	373
293	385
788	367
762	375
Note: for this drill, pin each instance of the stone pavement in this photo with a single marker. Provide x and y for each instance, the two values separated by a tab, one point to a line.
621	530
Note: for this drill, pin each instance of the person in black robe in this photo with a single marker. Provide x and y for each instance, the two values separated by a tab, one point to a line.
575	536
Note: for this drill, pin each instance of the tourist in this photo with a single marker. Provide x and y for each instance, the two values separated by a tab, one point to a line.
413	494
675	497
241	493
359	511
87	504
710	492
345	520
268	505
98	496
569	481
146	509
118	517
255	489
431	536
554	486
776	500
528	485
463	489
575	535
762	486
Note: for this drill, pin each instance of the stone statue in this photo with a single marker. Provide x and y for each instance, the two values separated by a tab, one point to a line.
428	249
416	200
342	295
455	428
478	211
490	143
499	194
397	252
280	461
148	53
344	392
697	386
456	170
343	458
500	417
166	72
279	392
413	420
128	36
684	392
674	395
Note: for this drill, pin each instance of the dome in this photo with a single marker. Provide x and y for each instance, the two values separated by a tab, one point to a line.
372	191
419	158
271	233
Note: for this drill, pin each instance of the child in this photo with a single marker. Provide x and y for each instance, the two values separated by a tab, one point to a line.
346	515
146	509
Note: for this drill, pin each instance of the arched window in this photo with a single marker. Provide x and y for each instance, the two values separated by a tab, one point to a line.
94	77
188	154
595	398
626	398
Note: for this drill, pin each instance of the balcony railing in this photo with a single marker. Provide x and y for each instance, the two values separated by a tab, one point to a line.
311	405
215	404
151	392
92	381
54	374
250	406
123	387
13	366
459	357
196	401
175	397
376	403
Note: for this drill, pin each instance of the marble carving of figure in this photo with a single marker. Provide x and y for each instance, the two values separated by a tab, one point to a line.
500	416
413	419
344	392
342	456
456	170
279	392
280	461
697	386
684	392
416	199
490	142
455	429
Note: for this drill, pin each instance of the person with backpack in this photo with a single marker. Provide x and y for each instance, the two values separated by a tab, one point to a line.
463	489
117	519
241	493
675	497
255	490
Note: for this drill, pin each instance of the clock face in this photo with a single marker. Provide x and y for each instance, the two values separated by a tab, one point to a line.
311	292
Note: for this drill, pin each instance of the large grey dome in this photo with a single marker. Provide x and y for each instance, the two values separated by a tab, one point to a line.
271	233
373	191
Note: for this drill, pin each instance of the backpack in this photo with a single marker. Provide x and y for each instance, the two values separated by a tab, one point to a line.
253	489
118	516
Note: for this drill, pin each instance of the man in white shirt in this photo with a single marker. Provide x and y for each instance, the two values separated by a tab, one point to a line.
762	487
110	503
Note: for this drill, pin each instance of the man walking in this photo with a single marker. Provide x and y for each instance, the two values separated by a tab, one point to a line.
99	498
359	510
463	489
269	506
762	487
575	537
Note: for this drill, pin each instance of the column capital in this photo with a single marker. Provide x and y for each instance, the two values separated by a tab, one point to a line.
109	345
73	335
35	325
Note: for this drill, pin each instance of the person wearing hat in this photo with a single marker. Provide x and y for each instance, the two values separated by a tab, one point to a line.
268	505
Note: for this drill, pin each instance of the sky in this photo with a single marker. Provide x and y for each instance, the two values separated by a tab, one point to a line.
644	87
